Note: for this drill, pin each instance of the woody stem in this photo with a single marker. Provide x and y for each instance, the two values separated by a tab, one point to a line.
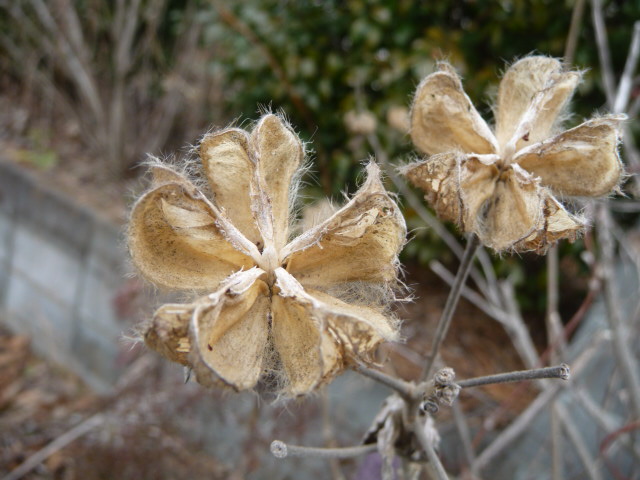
452	302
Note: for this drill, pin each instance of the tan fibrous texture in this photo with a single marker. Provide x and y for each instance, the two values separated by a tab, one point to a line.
286	313
505	186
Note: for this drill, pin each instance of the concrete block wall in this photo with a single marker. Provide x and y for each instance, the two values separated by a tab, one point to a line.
60	269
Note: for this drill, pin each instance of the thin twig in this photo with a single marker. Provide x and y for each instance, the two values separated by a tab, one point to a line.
614	316
280	449
517	329
609	439
516	428
626	81
405	389
554	322
465	437
574	31
520	424
608	79
586	457
560	371
607	421
54	446
426	444
554	337
452	303
329	437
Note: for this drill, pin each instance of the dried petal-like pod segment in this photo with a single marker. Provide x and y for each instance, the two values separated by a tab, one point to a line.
229	332
231	172
306	325
582	161
168	332
477	186
177	241
512	212
308	352
439	178
533	90
555	224
279	154
361	241
443	119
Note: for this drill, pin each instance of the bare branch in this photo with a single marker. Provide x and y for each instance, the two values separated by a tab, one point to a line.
437	468
614	316
405	389
54	446
452	303
282	450
575	438
626	81
574	31
608	79
560	371
465	436
77	71
520	424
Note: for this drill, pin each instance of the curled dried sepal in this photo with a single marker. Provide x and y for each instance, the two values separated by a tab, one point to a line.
503	188
279	311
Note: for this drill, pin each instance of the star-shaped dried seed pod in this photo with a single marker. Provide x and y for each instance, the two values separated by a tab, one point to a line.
293	313
504	185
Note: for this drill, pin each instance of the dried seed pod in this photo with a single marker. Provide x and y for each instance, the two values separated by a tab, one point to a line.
503	186
296	311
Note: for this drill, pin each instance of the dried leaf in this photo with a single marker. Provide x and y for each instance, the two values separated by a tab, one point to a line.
443	119
582	161
230	172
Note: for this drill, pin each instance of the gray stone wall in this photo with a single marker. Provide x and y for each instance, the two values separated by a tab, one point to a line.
60	270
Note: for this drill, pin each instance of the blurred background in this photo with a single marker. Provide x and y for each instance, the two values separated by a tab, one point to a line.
88	88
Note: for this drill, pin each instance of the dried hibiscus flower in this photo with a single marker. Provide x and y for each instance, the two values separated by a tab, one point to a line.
504	185
290	313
